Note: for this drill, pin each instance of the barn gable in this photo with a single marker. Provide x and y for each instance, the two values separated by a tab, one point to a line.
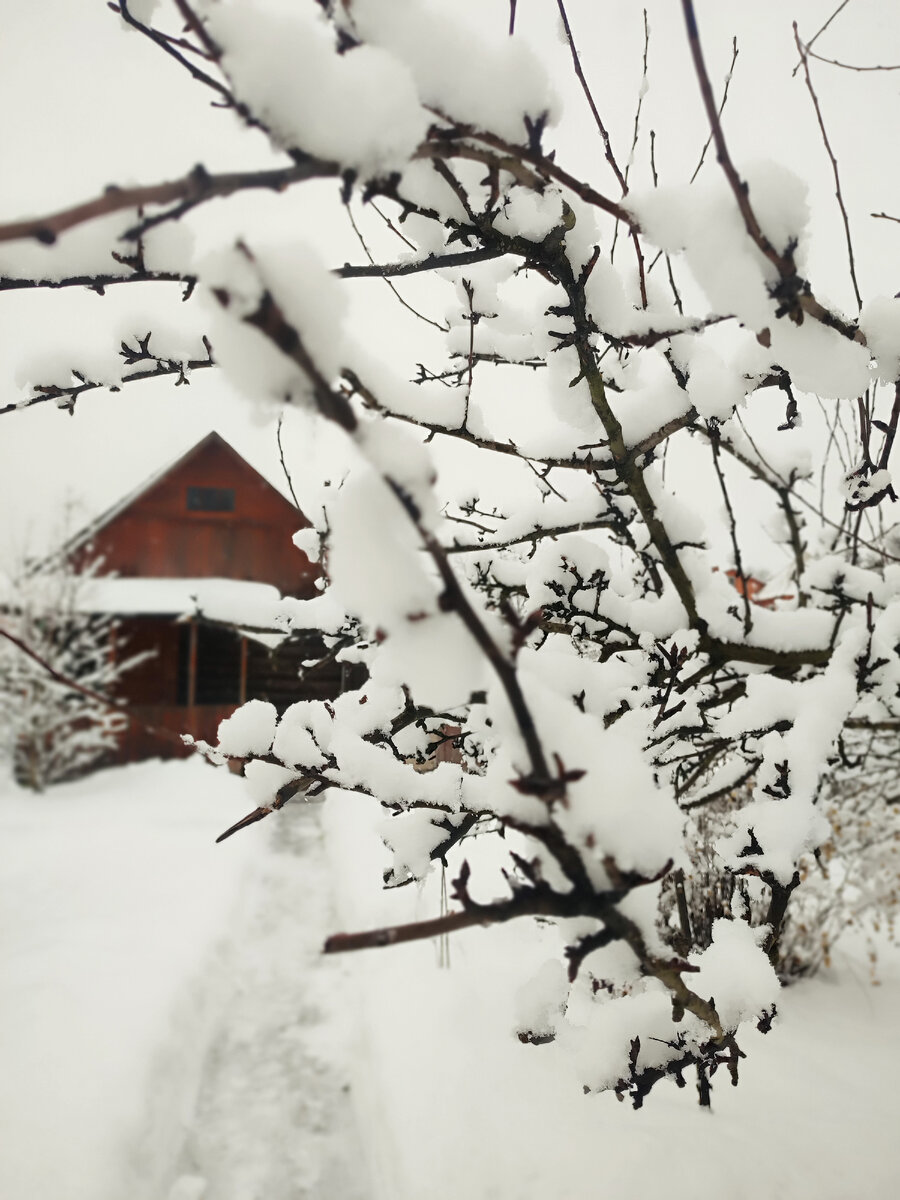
208	515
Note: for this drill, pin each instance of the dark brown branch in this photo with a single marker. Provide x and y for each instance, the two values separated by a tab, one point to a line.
512	159
197	186
432	263
66	397
168	45
738	186
394	935
606	522
335	406
97	283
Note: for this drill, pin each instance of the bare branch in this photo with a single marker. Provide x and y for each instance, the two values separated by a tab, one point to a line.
197	187
834	166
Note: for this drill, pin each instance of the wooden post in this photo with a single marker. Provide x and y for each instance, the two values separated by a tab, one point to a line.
192	666
242	687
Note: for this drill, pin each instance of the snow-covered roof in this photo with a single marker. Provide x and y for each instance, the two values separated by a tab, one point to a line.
233	600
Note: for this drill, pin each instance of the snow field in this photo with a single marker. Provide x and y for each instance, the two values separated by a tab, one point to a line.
169	1030
116	907
451	1104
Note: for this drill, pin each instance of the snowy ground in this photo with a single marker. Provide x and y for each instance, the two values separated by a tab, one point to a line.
168	1031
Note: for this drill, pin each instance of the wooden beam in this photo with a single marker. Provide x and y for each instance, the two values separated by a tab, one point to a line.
242	687
192	666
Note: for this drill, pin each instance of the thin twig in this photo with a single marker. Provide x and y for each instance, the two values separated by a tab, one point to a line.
713	434
393	228
284	468
607	145
840	8
833	62
834	165
738	186
165	43
383	275
536	535
708	142
675	293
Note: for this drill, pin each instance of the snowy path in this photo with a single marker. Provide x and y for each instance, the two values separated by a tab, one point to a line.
274	1116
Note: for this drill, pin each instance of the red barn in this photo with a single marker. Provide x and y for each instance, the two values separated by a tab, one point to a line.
207	529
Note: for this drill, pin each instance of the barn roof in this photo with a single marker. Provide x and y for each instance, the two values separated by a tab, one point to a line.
84	536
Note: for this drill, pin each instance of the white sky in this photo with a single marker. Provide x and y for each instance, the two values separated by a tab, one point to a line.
88	104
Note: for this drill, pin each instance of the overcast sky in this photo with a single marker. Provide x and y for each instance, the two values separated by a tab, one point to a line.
87	103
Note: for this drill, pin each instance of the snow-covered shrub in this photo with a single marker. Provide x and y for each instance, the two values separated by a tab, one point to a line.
57	668
851	882
541	486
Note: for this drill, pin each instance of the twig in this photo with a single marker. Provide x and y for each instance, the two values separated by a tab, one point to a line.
508	448
433	262
384	273
470	373
738	186
604	134
641	94
840	8
65	397
393	228
675	293
707	143
535	535
165	43
197	27
834	165
833	62
284	468
713	434
598	120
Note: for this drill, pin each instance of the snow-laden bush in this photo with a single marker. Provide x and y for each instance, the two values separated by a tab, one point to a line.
58	671
538	495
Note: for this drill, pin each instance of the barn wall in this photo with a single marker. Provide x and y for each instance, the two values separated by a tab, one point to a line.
156	691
